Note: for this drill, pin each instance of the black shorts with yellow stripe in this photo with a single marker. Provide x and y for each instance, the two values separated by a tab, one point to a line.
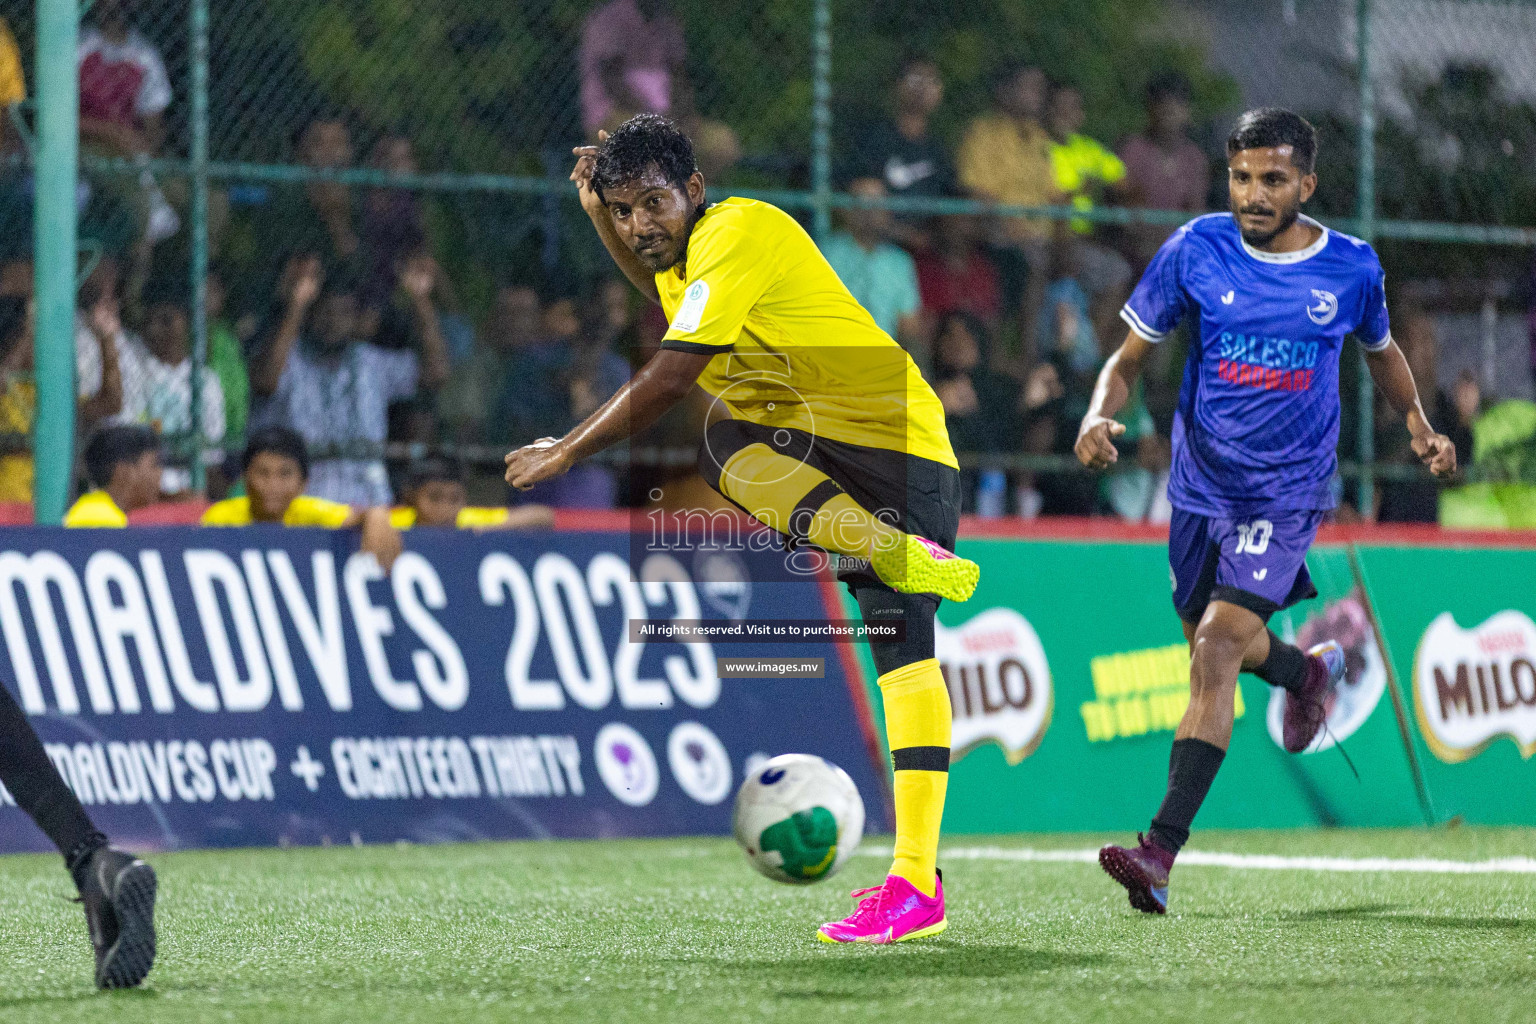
913	494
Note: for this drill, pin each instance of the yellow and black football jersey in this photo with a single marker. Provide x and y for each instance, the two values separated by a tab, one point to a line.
796	349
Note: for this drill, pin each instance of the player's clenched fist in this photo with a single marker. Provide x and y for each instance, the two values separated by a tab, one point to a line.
1094	448
581	174
1436	452
534	463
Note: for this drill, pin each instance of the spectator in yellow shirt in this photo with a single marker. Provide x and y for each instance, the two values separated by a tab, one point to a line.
435	495
276	468
1083	168
1005	157
13	86
123	466
1087	172
18	398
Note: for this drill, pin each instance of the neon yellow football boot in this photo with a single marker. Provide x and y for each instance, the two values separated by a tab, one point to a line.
919	566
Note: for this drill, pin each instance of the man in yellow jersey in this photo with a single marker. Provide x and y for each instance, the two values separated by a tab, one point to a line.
276	468
822	429
435	495
123	465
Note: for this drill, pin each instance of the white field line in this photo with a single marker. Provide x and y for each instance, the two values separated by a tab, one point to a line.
1248	861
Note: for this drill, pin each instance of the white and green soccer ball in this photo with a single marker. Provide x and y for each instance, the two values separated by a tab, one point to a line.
798	818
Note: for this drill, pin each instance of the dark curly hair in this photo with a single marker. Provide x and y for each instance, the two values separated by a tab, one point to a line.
1271	128
637	145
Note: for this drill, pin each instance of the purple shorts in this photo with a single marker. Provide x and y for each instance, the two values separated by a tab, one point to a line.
1258	562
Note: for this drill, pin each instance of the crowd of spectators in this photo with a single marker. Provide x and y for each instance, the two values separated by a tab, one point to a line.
332	322
332	317
1011	316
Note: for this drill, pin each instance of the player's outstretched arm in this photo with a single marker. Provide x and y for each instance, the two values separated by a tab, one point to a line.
1390	371
659	385
638	273
1095	447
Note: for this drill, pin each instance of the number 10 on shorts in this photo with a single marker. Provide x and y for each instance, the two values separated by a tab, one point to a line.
1253	538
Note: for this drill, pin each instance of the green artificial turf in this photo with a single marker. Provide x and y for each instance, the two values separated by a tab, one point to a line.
682	930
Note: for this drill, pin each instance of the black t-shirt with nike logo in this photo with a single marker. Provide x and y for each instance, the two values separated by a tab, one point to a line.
908	168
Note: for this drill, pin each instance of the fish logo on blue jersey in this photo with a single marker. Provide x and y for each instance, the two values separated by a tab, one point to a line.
1325	306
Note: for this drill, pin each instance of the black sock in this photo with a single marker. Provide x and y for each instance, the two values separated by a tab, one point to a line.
1192	768
30	775
1285	666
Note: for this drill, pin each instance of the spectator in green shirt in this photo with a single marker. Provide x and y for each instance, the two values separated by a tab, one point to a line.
225	359
1087	171
1084	168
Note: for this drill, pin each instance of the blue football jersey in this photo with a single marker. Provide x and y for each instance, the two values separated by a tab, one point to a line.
1258	420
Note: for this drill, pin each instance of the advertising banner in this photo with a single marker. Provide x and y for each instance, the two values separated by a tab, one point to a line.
268	686
1460	626
1068	673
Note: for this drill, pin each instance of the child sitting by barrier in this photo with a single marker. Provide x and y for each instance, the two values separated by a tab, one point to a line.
435	495
276	468
122	464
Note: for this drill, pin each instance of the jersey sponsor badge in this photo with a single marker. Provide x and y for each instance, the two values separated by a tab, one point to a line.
1324	307
691	312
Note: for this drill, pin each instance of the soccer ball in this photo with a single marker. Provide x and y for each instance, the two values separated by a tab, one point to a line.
798	818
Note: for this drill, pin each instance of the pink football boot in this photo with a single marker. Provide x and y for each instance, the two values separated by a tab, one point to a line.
893	912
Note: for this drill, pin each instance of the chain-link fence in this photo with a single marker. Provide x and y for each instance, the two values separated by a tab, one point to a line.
376	133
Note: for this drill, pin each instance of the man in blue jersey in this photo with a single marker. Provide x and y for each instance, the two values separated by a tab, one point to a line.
1271	296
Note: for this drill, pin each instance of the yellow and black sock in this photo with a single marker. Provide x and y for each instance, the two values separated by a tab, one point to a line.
802	502
917	726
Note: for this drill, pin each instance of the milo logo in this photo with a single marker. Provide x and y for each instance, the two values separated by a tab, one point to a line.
1471	686
999	683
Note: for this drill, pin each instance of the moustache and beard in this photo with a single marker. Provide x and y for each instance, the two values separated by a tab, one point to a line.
1285	217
